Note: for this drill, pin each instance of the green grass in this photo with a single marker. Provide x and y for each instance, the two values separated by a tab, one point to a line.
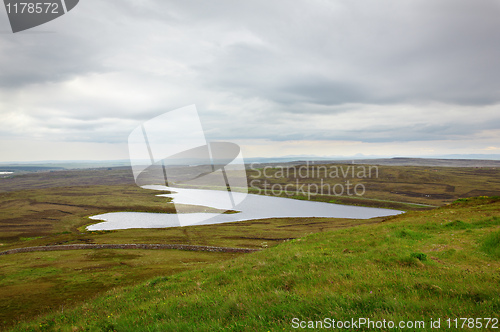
37	282
77	269
439	263
416	266
491	244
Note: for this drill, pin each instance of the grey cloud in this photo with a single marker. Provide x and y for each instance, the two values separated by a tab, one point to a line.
43	58
425	51
312	57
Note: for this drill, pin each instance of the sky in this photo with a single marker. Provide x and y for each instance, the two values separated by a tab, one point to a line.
279	78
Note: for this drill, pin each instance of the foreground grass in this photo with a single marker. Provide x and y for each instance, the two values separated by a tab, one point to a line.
37	282
428	264
31	283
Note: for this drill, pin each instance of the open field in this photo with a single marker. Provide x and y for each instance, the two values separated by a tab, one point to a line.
52	208
439	264
33	283
116	269
55	205
55	213
73	178
396	187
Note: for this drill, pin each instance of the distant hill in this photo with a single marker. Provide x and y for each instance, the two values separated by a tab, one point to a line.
429	162
370	158
15	168
444	161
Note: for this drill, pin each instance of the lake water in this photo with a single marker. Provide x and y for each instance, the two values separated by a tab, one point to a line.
252	207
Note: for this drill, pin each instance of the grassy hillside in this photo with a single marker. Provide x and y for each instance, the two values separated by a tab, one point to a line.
41	209
438	264
36	282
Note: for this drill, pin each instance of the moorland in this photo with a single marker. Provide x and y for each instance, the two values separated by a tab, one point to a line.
440	258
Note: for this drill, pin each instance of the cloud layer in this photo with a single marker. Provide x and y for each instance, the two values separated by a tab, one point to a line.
260	71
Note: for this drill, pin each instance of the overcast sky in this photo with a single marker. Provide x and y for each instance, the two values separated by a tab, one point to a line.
315	77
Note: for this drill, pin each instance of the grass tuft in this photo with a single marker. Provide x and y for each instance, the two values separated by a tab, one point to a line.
419	255
491	244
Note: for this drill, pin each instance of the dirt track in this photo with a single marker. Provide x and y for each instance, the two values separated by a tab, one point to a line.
127	246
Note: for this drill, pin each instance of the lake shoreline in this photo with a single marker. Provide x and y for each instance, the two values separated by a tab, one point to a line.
252	207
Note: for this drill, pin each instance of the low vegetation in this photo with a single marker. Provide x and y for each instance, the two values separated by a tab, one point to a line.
413	268
85	273
438	262
394	187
